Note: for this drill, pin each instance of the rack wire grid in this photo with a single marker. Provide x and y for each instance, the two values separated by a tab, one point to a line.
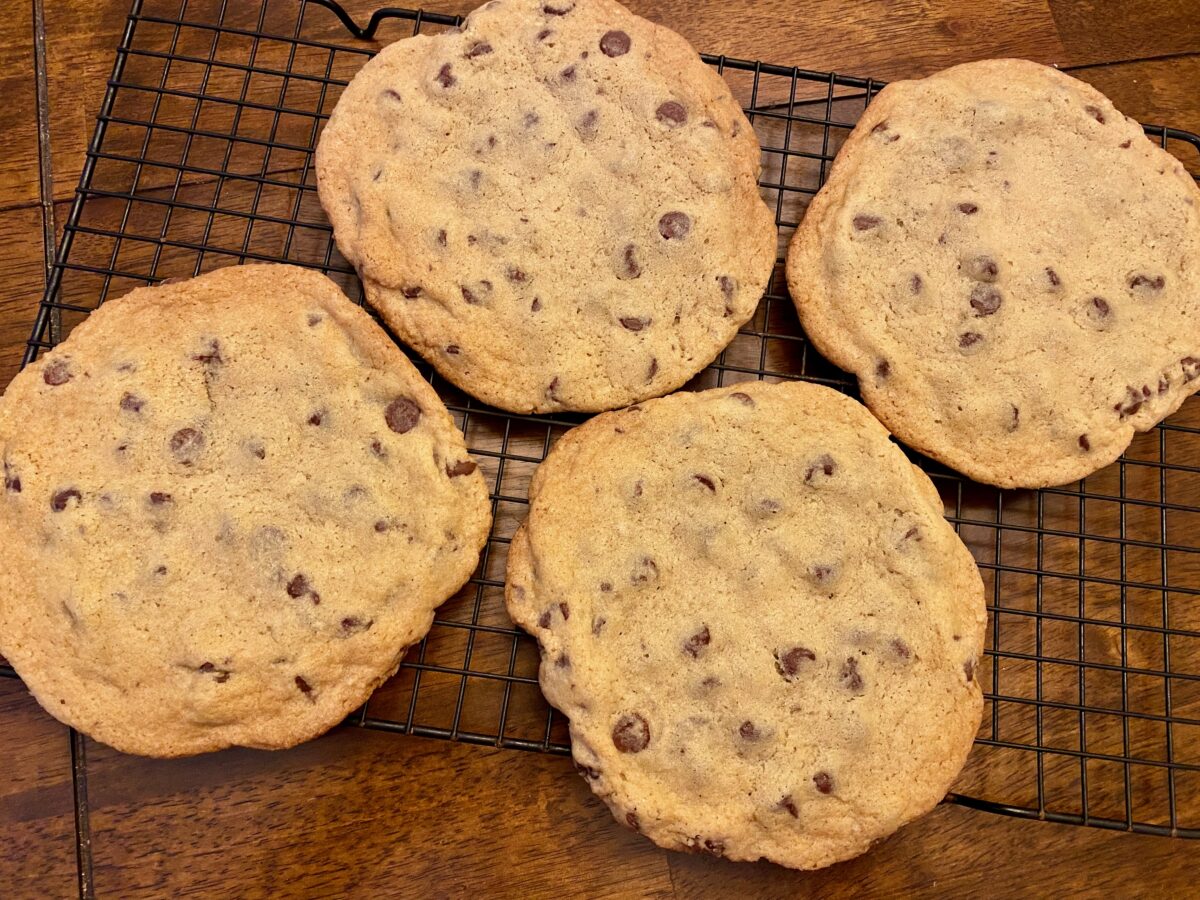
203	157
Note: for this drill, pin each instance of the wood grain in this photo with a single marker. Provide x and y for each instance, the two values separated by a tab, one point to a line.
374	814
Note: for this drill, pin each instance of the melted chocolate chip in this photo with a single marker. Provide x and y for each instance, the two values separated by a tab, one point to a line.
614	43
187	444
653	370
633	323
12	482
353	625
1052	278
299	587
1132	402
630	268
444	76
453	349
515	275
1014	421
605	587
212	355
968	209
744	399
1146	285
462	467
560	8
900	648
675	225
567	74
1126	144
915	284
631	734
981	268
476	294
158	498
647	570
707	482
132	404
671	113
1098	311
56	373
728	288
969	669
402	415
1095	113
866	223
883	368
790	805
381	526
985	300
598	625
535	305
544	619
749	731
850	677
304	687
479	48
317	417
60	500
969	339
825	465
822	574
441	237
697	642
788	661
565	610
823	782
411	291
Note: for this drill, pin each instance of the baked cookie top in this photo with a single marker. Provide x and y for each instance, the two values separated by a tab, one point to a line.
1010	267
229	506
556	206
761	627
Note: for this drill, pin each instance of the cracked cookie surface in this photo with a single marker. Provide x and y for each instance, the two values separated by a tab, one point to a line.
1010	267
761	627
230	504
557	206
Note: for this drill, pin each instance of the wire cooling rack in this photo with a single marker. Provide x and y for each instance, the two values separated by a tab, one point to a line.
202	157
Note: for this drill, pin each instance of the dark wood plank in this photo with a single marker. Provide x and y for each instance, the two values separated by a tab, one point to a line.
37	818
24	281
1160	91
1112	30
18	113
360	813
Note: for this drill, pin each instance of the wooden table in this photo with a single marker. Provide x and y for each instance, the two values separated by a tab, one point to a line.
377	814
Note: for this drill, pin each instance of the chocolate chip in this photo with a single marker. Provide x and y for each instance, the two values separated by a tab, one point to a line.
453	349
629	267
441	237
1084	442
900	648
968	209
605	587
707	482
1014	421
728	289
653	370
411	291
851	679
381	526
544	619
187	444
598	625
969	669
788	661
402	415
914	284
981	268
552	388
1146	285
1164	383
478	293
57	372
985	300
299	587
749	731
675	225
646	570
462	467
158	498
883	368
1052	278
563	662
304	686
864	222
479	48
614	43
1095	113
133	404
444	78
316	418
969	339
1132	401
881	129
353	624
12	482
823	574
392	95
535	305
211	355
1191	368
697	642
744	399
560	8
631	734
824	465
567	74
790	805
823	782
60	500
671	113
1098	311
633	323
565	610
1125	145
515	275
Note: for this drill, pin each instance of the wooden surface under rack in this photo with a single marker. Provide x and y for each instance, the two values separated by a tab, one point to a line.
377	814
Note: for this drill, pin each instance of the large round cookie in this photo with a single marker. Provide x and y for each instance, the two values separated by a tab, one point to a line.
759	624
229	506
1011	269
557	206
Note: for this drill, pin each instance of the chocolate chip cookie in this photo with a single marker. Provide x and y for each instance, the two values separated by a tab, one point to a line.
556	206
1010	267
229	505
761	627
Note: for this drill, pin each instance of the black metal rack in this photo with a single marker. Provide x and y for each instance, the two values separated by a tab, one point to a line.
202	157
